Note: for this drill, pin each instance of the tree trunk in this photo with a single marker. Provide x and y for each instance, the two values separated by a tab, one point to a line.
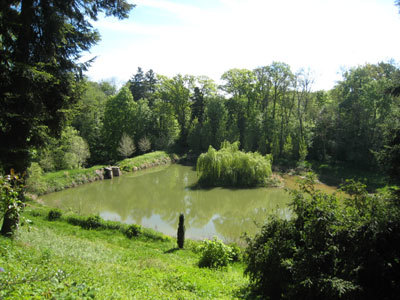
10	223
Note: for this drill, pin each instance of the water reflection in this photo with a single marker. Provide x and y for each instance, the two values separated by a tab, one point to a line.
154	198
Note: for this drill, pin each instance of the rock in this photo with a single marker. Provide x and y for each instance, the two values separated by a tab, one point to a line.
135	169
99	174
108	174
116	171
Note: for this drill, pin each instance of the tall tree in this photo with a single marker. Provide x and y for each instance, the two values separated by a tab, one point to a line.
118	119
41	42
177	91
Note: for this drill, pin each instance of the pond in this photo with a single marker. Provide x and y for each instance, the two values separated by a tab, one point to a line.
154	198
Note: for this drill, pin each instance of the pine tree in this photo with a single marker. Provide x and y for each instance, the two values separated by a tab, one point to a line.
40	44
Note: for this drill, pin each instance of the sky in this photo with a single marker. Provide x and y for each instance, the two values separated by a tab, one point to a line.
209	37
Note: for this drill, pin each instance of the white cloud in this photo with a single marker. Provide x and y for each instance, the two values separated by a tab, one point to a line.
320	34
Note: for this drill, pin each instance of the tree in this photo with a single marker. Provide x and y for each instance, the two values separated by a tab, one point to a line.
214	123
177	92
143	86
181	231
89	114
118	118
126	146
41	42
144	144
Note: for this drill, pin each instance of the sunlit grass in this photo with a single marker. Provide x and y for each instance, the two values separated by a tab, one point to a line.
56	260
145	161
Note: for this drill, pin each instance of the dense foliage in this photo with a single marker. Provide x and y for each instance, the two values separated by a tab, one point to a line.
215	254
330	249
231	167
12	203
41	43
270	109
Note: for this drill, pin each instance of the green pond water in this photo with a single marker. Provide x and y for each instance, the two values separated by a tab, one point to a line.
155	197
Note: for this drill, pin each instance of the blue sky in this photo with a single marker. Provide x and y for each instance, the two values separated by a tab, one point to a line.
209	37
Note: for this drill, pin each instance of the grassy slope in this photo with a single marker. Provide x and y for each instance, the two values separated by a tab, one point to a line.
145	160
60	261
59	180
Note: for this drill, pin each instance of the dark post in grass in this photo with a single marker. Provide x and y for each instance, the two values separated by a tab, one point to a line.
181	231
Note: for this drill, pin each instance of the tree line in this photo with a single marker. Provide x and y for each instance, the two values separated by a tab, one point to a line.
271	110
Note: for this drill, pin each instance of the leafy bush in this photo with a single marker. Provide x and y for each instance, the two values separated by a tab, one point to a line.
133	230
231	167
215	254
54	214
91	222
236	252
330	249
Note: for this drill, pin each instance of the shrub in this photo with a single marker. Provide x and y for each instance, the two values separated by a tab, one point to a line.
330	249
54	214
92	222
236	253
181	231
231	167
133	230
215	254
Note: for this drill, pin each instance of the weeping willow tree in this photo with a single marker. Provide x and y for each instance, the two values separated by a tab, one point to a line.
231	167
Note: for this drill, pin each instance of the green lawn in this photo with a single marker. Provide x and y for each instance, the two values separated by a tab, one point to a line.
56	260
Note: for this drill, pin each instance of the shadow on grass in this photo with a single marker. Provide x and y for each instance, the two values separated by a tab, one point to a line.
337	173
172	250
245	292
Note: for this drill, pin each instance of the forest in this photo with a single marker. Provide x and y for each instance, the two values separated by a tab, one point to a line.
271	110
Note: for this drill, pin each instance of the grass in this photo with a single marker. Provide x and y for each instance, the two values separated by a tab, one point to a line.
57	260
60	180
146	160
57	181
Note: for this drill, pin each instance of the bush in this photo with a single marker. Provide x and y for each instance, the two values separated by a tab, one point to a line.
231	167
133	230
330	249
236	253
91	222
54	214
215	254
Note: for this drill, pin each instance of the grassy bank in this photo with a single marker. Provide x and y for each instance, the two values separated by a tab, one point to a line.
146	161
40	184
57	260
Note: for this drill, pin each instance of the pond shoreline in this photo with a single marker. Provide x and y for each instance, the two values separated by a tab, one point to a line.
64	179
